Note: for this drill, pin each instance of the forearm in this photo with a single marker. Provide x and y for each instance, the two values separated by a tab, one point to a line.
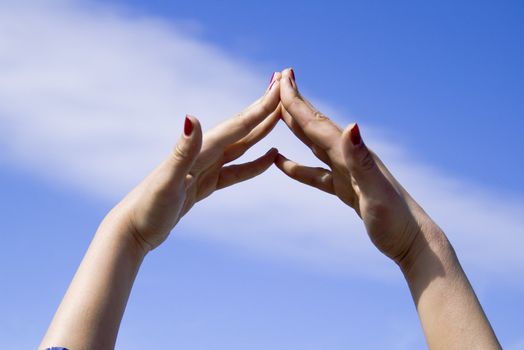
449	311
90	312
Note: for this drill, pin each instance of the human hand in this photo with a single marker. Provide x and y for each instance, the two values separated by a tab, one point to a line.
196	168
394	221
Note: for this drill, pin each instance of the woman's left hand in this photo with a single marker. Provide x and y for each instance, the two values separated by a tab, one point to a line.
196	168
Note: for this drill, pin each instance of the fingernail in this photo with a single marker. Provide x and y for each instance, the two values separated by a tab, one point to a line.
271	85
271	80
292	73
188	126
354	135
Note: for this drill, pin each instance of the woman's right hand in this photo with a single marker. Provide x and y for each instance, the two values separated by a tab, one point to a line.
396	224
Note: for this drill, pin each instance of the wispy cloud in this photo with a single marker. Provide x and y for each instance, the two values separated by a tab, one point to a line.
93	99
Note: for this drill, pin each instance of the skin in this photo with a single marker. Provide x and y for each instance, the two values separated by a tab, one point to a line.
90	313
449	311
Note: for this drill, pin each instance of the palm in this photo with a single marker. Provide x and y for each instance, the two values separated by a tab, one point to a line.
166	195
389	214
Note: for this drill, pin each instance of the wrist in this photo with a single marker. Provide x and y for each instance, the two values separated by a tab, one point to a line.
117	228
430	253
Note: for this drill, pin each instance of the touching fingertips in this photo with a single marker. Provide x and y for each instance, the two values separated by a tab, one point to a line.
280	159
272	150
188	126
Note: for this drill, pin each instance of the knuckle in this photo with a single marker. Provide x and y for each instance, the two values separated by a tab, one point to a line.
320	116
367	162
180	153
235	176
324	179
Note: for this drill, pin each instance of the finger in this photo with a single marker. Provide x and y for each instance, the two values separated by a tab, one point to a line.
233	174
316	126
186	150
362	165
299	133
241	125
316	177
274	77
237	149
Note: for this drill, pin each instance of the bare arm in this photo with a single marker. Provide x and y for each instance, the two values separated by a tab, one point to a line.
449	311
90	313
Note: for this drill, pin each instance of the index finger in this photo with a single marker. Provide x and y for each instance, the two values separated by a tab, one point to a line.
316	126
241	125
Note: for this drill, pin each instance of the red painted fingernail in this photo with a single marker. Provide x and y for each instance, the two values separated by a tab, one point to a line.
354	135
271	85
292	72
188	126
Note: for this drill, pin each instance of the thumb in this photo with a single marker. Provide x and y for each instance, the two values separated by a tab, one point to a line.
187	148
361	163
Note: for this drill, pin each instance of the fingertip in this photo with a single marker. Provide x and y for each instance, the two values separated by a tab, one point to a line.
358	157
288	72
186	149
272	153
273	81
272	94
192	133
289	75
352	136
347	146
272	86
287	91
191	125
280	160
188	126
276	76
272	77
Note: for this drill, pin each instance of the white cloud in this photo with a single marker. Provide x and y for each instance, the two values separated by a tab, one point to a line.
94	99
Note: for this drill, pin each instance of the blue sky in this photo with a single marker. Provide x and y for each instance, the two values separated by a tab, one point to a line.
93	94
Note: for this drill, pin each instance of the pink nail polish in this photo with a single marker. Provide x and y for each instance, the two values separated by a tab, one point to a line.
354	135
188	126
